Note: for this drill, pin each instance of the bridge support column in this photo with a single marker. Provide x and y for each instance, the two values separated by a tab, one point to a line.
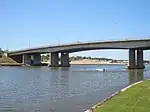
140	62
36	59
54	59
131	63
65	60
26	59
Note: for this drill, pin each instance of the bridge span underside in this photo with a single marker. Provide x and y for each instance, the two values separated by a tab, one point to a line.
35	59
29	59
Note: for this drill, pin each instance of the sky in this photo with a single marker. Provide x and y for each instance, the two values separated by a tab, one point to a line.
32	23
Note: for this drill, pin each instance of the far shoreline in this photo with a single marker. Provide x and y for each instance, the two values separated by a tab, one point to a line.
94	62
99	64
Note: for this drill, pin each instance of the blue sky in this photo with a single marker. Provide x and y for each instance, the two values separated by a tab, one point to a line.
30	23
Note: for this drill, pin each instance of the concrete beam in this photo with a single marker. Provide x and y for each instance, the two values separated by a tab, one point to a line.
75	47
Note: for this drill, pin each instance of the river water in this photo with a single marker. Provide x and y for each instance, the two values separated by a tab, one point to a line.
74	89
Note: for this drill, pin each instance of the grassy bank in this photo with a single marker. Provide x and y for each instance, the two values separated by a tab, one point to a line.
134	99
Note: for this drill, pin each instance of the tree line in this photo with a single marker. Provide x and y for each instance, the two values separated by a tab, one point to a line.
88	58
72	58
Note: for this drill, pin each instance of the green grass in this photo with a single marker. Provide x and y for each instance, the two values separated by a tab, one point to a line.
134	99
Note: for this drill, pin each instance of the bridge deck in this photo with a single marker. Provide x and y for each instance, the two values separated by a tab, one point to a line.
81	46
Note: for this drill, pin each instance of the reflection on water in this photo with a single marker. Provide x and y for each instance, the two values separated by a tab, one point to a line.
135	75
75	89
60	81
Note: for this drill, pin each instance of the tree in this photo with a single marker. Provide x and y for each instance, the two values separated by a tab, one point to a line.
1	51
6	51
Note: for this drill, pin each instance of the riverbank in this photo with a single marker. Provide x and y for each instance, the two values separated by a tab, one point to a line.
92	62
11	64
6	61
133	99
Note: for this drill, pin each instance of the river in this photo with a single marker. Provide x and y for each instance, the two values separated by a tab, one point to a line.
74	89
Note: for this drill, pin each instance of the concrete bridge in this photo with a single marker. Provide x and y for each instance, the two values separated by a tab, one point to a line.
32	55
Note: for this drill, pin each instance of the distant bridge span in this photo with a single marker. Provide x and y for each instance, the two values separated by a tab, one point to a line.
65	49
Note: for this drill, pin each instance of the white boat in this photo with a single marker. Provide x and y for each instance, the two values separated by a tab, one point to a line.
99	69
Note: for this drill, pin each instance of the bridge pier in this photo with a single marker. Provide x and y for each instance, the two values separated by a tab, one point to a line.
140	62
133	64
54	59
26	59
34	59
65	60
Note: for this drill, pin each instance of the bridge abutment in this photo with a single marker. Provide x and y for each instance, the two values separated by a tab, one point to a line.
17	58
